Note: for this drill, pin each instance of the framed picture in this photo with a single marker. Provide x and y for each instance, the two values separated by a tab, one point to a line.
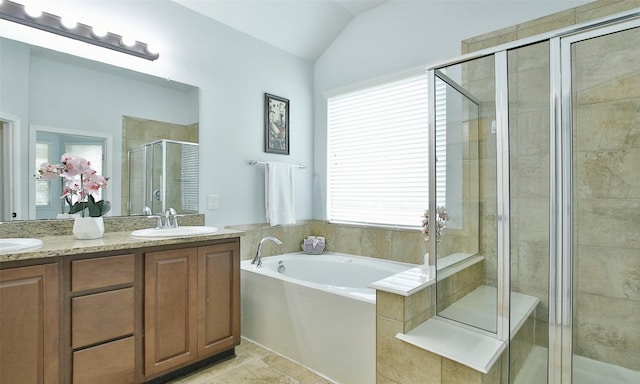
276	124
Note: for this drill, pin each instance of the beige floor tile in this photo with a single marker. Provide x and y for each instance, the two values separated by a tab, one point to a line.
253	364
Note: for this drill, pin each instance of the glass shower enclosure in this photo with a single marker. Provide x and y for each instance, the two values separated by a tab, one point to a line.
163	174
541	161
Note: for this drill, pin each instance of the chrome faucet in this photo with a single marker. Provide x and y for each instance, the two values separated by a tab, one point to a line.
170	219
258	259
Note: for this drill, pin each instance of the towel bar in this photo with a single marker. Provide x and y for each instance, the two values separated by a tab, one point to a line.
254	162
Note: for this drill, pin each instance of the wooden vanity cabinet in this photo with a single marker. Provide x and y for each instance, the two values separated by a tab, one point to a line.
218	298
101	318
170	318
191	305
125	318
29	325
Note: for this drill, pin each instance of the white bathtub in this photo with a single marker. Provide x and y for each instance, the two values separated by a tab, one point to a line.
319	312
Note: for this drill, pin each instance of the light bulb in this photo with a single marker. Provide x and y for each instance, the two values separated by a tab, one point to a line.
98	31
32	11
68	23
152	49
128	41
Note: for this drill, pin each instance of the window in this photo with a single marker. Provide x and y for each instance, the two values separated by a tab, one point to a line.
377	160
94	154
46	189
43	197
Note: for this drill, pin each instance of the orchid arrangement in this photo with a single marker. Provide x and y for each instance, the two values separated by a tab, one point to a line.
79	191
441	223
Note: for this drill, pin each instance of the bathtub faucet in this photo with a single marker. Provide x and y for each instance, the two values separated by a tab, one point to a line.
258	259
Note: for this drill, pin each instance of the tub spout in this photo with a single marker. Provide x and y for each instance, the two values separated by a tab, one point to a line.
258	259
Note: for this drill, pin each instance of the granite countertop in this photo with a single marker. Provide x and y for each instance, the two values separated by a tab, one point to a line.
68	245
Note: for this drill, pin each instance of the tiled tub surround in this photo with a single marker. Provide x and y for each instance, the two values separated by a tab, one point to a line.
406	246
401	361
394	245
318	311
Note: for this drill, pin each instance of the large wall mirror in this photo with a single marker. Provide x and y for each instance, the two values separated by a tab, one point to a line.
54	97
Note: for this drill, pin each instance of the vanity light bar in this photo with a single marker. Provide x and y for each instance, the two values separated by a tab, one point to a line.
51	23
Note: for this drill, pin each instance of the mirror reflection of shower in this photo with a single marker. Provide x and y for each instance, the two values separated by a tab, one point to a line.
163	174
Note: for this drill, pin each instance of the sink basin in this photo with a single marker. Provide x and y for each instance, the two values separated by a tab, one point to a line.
186	231
14	245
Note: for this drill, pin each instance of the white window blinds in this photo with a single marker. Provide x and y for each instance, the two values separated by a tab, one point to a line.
378	154
189	170
377	160
43	197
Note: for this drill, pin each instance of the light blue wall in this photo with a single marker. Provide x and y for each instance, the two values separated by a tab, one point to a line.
232	71
401	35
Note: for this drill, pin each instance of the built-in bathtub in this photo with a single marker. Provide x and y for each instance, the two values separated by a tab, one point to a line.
318	310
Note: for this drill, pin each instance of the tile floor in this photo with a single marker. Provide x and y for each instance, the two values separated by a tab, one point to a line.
253	364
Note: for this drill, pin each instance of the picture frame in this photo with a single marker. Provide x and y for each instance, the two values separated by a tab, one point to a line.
276	124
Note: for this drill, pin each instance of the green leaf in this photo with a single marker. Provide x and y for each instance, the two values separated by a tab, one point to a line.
97	209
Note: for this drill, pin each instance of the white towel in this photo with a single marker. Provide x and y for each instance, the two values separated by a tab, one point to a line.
279	193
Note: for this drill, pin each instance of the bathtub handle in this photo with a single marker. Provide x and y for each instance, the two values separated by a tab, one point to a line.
281	267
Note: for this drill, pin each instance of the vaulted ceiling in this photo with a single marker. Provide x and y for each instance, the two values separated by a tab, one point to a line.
304	28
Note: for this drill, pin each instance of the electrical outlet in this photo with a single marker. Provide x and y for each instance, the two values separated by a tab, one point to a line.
212	201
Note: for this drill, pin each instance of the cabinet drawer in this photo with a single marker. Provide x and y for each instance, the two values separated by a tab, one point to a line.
101	316
108	363
101	272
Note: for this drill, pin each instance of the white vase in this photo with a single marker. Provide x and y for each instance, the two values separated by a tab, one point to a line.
68	215
86	228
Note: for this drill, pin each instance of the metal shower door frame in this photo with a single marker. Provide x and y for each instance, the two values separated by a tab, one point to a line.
561	245
561	177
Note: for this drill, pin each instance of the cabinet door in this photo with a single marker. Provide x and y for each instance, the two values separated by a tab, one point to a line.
219	300
170	310
29	318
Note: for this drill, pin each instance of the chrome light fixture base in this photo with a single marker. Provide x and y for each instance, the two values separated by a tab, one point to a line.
15	12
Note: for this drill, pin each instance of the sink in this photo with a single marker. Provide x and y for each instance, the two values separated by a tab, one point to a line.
186	231
14	244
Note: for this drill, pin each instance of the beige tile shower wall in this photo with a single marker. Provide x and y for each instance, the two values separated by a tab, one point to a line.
479	79
529	149
465	239
587	12
608	270
137	131
607	199
458	285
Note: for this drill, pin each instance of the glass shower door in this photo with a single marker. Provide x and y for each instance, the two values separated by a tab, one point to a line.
465	233
605	100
